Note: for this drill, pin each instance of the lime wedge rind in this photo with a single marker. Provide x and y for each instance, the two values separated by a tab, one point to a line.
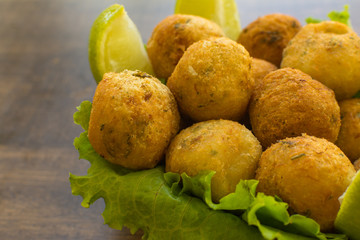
94	44
115	44
348	218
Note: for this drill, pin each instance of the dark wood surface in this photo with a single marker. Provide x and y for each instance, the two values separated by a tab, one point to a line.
44	75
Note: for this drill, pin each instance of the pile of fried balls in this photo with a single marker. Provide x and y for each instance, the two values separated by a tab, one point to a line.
276	105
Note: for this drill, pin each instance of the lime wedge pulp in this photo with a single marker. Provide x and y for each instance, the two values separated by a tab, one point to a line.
223	12
115	44
348	218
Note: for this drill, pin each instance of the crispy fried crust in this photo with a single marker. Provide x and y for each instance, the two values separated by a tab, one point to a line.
308	173
224	146
267	36
133	118
213	80
289	103
172	36
330	53
357	165
260	68
349	135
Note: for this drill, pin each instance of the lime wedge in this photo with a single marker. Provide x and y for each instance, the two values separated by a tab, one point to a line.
348	218
115	44
223	12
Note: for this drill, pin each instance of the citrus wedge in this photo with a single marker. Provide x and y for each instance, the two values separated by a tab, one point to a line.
223	12
115	44
348	218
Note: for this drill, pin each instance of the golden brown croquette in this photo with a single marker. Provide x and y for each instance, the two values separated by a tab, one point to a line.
289	103
213	80
330	53
133	118
172	36
260	68
357	165
349	136
308	173
224	146
267	36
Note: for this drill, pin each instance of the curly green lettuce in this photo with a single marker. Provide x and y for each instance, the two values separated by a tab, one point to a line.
173	206
343	17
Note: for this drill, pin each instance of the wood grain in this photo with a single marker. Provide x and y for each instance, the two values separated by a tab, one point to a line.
44	75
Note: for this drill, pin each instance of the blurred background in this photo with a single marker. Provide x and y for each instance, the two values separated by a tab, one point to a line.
44	75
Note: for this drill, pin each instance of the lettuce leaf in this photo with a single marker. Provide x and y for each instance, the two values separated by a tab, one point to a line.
357	95
343	17
269	214
173	206
200	186
143	200
312	20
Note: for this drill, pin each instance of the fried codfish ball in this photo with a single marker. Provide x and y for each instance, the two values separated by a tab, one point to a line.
357	165
308	173
330	53
173	35
267	36
260	69
133	118
213	80
349	136
289	103
224	146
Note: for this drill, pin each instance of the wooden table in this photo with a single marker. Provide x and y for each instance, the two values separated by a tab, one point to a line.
44	75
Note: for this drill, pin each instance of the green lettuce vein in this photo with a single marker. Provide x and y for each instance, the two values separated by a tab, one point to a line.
173	206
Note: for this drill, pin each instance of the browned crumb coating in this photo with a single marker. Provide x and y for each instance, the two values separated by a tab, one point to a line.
260	68
172	36
289	103
213	80
357	165
349	135
267	36
330	53
133	118
308	173
224	146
